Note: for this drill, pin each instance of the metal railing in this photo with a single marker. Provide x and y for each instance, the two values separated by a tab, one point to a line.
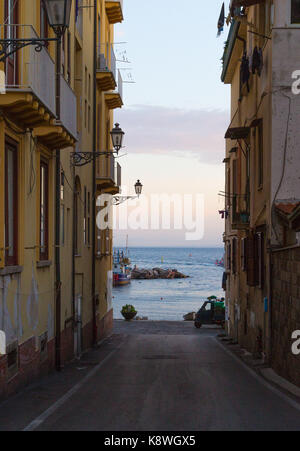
28	70
109	169
120	84
68	108
106	59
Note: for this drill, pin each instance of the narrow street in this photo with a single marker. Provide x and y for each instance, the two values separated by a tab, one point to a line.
154	376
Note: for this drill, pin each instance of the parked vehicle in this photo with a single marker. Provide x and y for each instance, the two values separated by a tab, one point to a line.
211	312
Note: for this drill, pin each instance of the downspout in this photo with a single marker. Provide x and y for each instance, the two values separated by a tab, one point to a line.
57	221
94	180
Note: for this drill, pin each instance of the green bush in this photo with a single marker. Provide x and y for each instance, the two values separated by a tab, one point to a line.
128	309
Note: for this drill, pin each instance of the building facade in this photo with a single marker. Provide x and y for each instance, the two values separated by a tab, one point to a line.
55	295
262	189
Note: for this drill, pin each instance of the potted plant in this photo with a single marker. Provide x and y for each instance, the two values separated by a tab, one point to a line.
129	312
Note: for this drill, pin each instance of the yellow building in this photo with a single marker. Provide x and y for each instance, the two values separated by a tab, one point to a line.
55	298
262	186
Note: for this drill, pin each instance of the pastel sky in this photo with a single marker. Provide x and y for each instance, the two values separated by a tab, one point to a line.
176	112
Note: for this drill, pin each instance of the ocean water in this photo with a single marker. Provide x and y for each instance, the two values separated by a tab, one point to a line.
171	299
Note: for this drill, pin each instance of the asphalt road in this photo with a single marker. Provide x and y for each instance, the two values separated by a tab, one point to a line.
163	377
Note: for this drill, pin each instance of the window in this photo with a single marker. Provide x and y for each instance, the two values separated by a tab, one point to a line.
44	210
244	254
228	254
295	11
77	215
255	260
234	255
260	155
11	203
11	32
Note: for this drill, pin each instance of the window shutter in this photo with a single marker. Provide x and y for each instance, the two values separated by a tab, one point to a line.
234	255
251	279
244	245
260	259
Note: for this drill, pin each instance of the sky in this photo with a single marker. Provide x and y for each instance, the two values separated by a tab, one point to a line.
175	114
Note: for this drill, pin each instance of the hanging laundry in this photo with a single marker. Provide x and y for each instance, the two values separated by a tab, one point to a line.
245	71
261	61
221	21
257	61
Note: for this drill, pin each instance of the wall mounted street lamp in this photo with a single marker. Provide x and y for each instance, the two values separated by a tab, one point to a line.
58	14
83	158
117	200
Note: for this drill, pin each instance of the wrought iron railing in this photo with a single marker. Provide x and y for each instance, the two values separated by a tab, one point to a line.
106	59
28	70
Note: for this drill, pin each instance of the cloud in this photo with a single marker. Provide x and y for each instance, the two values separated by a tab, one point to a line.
162	130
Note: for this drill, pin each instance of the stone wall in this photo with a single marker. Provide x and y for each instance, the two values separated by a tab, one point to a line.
285	312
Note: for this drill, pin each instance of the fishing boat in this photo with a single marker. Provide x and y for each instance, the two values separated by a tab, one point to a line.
121	269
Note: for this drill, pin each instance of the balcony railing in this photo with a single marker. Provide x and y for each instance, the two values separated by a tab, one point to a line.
68	108
110	170
106	59
120	85
28	70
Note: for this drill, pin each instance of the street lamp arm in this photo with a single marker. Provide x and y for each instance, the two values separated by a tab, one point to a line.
117	200
82	158
10	46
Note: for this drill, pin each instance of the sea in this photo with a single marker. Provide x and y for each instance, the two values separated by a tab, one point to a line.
169	300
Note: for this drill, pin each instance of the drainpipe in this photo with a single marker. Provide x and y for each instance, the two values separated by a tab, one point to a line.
94	179
57	221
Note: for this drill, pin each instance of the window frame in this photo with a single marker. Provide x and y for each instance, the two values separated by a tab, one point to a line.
11	260
292	24
44	255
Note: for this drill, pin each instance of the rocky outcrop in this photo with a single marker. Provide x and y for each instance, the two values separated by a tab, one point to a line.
157	273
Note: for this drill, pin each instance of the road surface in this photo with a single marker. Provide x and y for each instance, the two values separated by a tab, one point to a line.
157	376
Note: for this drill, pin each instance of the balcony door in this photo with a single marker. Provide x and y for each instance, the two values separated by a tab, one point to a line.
11	32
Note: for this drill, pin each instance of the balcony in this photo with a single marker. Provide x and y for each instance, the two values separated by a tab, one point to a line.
64	132
106	68
114	11
29	81
29	98
114	99
240	220
108	175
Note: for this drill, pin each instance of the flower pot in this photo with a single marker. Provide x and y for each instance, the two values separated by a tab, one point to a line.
129	316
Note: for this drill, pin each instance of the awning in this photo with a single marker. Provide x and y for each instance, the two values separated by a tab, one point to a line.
237	133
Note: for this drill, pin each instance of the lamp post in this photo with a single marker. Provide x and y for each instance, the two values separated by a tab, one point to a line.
117	136
117	200
58	14
83	158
